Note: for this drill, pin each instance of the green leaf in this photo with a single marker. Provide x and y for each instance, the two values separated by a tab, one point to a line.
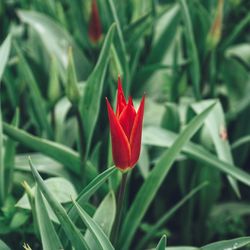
90	103
72	91
152	184
241	52
9	156
163	138
228	244
100	237
57	151
243	140
216	125
90	189
53	92
137	29
168	215
3	246
166	26
43	163
70	229
4	54
121	48
194	67
57	41
50	240
36	97
236	31
162	243
182	248
104	217
2	171
55	184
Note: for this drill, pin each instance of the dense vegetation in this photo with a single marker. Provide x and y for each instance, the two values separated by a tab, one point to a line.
58	62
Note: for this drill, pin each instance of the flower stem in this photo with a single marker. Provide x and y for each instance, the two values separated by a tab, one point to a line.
120	202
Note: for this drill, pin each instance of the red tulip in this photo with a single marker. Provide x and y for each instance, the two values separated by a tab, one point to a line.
95	29
126	130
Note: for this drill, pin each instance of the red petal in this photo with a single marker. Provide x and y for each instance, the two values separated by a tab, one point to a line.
120	144
121	101
127	118
135	138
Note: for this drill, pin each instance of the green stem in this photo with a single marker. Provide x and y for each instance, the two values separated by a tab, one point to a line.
81	142
120	202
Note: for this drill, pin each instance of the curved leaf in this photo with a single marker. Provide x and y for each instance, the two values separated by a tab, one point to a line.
95	229
50	240
70	229
150	187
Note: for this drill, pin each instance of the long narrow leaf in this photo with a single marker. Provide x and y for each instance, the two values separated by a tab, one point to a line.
152	184
57	151
4	54
70	229
123	52
164	138
89	190
35	93
228	244
168	215
215	123
94	228
104	217
57	41
191	49
162	243
90	103
50	240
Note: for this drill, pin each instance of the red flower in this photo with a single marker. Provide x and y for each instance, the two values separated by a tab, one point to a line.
95	29
126	130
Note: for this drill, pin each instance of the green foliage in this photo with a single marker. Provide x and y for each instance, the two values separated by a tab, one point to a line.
185	55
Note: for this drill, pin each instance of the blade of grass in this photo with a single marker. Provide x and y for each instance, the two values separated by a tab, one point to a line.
164	138
56	40
4	55
3	246
90	103
70	229
168	215
9	156
104	217
237	30
88	191
50	240
57	151
152	184
241	141
228	244
100	237
194	66
2	170
123	54
162	243
36	97
216	125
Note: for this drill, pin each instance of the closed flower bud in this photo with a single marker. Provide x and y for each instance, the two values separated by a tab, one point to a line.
126	130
